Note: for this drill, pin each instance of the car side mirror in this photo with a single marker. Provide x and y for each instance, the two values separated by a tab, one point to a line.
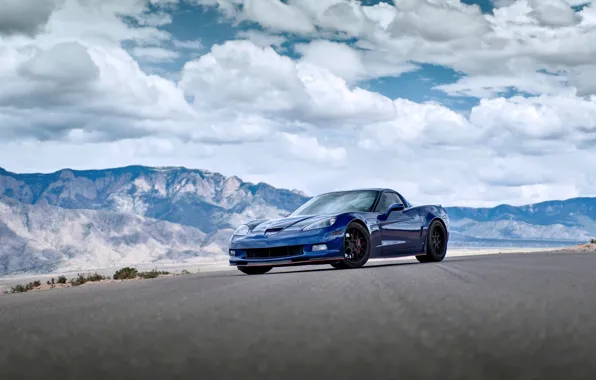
390	209
395	207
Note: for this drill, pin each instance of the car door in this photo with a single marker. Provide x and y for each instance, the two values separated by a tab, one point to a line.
400	232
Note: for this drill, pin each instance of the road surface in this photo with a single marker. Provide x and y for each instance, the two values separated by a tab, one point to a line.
513	316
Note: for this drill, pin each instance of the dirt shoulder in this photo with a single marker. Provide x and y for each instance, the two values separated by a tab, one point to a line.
48	283
589	247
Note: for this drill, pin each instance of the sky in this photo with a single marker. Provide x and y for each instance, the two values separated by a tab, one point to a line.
472	103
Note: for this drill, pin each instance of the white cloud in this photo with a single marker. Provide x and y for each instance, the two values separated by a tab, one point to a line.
583	78
276	15
489	86
553	12
350	63
190	44
309	149
243	76
228	8
536	126
102	22
339	58
25	17
346	17
332	101
261	39
155	54
57	75
75	78
438	20
382	14
302	17
67	63
159	18
560	118
417	125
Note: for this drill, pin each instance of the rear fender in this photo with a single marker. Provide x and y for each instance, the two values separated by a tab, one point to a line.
431	213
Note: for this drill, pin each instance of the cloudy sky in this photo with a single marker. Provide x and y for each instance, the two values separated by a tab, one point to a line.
471	102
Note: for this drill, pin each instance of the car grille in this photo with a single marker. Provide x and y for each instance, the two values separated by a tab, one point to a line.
267	253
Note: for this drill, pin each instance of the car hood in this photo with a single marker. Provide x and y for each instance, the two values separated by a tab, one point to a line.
290	223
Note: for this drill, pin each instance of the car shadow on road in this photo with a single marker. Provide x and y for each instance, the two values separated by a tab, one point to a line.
323	269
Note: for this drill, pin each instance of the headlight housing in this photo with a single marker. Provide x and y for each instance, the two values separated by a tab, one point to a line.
242	230
320	224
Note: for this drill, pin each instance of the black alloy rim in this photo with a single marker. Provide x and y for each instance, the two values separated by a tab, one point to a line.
437	240
355	245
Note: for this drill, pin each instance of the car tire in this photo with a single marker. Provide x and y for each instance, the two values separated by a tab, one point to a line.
255	270
357	244
436	244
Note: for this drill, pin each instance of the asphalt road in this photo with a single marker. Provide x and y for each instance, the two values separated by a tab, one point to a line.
514	316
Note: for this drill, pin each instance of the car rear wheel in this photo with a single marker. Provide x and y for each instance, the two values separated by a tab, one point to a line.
436	244
255	270
356	247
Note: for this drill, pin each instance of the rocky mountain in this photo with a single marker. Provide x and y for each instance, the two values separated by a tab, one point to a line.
197	198
43	238
134	214
572	220
575	212
92	219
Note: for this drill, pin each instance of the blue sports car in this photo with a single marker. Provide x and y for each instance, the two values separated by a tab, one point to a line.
344	229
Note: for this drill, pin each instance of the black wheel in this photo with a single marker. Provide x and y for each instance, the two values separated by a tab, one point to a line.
436	244
356	247
254	270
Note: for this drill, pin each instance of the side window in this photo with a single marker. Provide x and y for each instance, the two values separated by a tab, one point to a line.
387	199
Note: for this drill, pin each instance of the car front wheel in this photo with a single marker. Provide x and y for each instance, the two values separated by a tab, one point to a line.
356	247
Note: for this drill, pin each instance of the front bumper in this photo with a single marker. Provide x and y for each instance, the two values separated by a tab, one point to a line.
243	250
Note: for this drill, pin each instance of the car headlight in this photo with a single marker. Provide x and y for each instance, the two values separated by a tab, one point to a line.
242	230
320	224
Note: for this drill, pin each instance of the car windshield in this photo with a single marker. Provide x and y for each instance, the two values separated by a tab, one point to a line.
336	203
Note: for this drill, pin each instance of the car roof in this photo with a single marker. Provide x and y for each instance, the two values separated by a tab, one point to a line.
379	189
355	190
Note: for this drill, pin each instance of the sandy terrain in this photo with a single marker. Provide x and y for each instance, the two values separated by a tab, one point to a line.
7	283
590	247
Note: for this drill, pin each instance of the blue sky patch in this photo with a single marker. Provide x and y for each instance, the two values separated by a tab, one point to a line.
417	86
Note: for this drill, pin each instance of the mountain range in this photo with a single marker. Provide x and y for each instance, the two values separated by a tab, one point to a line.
80	220
572	220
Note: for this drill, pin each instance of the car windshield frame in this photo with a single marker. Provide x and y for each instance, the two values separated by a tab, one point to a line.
338	202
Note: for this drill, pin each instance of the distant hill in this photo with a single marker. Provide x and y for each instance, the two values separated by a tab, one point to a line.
573	212
198	198
41	238
571	220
